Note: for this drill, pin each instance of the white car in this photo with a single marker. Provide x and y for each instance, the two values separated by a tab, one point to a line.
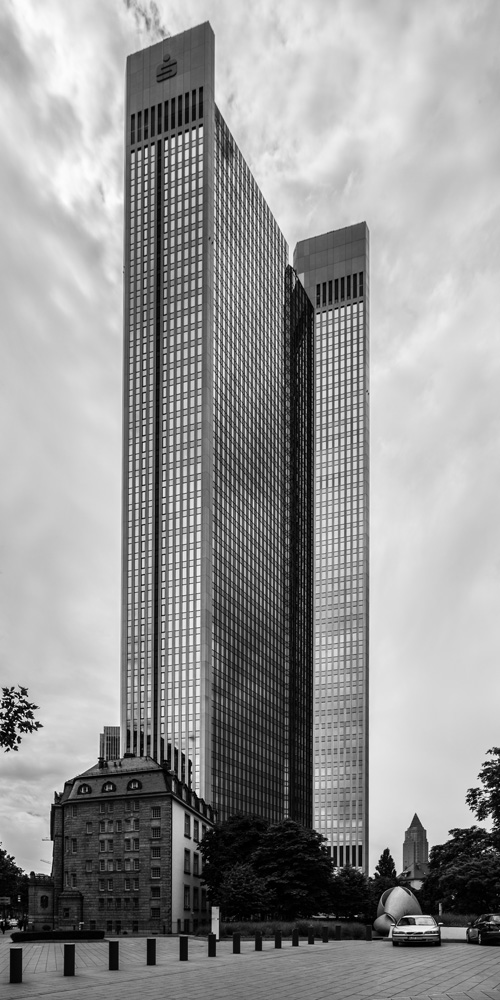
416	929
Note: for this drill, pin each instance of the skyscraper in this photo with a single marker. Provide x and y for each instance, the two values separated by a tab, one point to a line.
415	847
218	437
334	271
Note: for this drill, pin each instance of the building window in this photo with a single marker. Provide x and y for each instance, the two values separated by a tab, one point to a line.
102	846
89	828
135	884
155	891
118	826
84	790
196	829
156	873
187	862
118	903
155	812
110	884
73	811
66	845
156	832
135	843
101	885
187	897
109	787
155	913
203	899
109	903
187	825
361	283
134	785
102	826
196	898
74	845
100	904
136	864
135	824
73	881
127	844
355	286
127	885
118	864
196	864
155	852
318	295
102	865
110	845
88	866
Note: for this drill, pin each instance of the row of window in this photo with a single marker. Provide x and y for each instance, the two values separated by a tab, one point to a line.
340	288
109	786
168	114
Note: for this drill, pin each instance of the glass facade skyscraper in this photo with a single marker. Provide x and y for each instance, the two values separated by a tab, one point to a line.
218	439
334	271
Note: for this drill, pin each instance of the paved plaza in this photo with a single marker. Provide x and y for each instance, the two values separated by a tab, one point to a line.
346	970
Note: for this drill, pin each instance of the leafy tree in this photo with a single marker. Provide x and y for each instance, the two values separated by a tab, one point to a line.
350	894
484	802
386	868
470	849
297	870
16	717
227	845
12	878
242	894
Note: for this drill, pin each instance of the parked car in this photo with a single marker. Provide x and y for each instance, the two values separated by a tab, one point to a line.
418	929
485	928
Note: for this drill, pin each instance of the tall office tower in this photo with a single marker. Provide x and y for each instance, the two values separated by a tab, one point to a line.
109	743
416	846
334	271
217	619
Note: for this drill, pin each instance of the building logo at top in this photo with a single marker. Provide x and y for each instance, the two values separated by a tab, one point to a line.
166	69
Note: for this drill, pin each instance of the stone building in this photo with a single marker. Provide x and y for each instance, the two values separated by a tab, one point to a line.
126	856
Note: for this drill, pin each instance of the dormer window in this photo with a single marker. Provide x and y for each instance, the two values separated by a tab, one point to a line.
109	787
84	790
134	785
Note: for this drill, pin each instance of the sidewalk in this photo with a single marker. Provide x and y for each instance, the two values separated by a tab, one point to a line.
347	970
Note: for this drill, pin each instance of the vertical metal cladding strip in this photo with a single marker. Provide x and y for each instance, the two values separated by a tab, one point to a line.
155	735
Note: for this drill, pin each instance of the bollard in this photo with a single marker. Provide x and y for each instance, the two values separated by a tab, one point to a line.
368	932
324	935
236	944
16	965
310	935
295	938
183	949
69	960
212	946
151	951
113	956
258	940
277	939
338	932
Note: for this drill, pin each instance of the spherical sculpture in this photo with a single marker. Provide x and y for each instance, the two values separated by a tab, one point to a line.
393	904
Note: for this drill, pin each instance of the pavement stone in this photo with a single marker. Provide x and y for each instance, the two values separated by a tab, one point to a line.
345	970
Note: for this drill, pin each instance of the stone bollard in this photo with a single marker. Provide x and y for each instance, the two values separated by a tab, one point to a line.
16	965
310	935
69	960
258	940
183	949
113	956
236	944
295	938
338	932
277	939
212	946
368	932
324	935
151	951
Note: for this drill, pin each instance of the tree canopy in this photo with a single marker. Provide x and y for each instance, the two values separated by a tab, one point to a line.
464	873
484	801
17	717
254	868
386	868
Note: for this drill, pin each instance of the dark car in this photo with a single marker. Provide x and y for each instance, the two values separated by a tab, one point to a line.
486	928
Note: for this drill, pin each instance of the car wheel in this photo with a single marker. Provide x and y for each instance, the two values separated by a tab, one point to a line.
395	944
438	943
481	938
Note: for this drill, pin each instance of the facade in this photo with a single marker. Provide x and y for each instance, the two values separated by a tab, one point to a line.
125	856
109	743
333	269
415	846
217	485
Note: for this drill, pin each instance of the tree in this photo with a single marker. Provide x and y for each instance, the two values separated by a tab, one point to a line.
484	802
468	850
226	845
386	868
12	878
242	894
350	894
297	870
16	717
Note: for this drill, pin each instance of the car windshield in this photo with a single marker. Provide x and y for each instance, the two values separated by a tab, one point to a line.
416	922
492	918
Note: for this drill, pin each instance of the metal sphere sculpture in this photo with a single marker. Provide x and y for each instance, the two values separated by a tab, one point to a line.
393	904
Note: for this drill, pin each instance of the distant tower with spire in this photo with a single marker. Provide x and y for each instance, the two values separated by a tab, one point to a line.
415	847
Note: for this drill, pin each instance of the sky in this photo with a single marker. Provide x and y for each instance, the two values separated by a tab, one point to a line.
345	110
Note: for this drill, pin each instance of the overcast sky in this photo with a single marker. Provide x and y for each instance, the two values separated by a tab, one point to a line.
346	110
